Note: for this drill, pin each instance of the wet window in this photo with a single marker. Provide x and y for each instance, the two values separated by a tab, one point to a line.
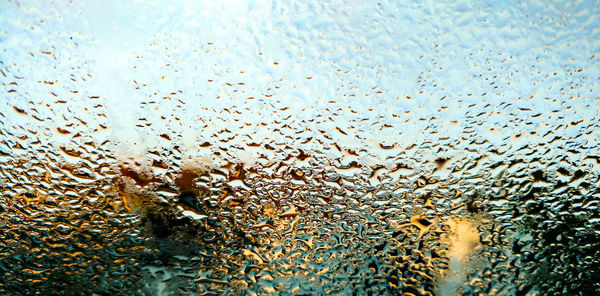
299	148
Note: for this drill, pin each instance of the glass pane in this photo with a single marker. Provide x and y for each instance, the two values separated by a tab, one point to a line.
299	148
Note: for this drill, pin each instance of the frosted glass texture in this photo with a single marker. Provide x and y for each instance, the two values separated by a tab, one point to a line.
299	147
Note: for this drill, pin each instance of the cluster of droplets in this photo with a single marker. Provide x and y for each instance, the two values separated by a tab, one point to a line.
300	148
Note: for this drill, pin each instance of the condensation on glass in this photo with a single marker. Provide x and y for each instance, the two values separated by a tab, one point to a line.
299	148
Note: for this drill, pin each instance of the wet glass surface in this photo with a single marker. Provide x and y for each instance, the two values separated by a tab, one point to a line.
299	148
